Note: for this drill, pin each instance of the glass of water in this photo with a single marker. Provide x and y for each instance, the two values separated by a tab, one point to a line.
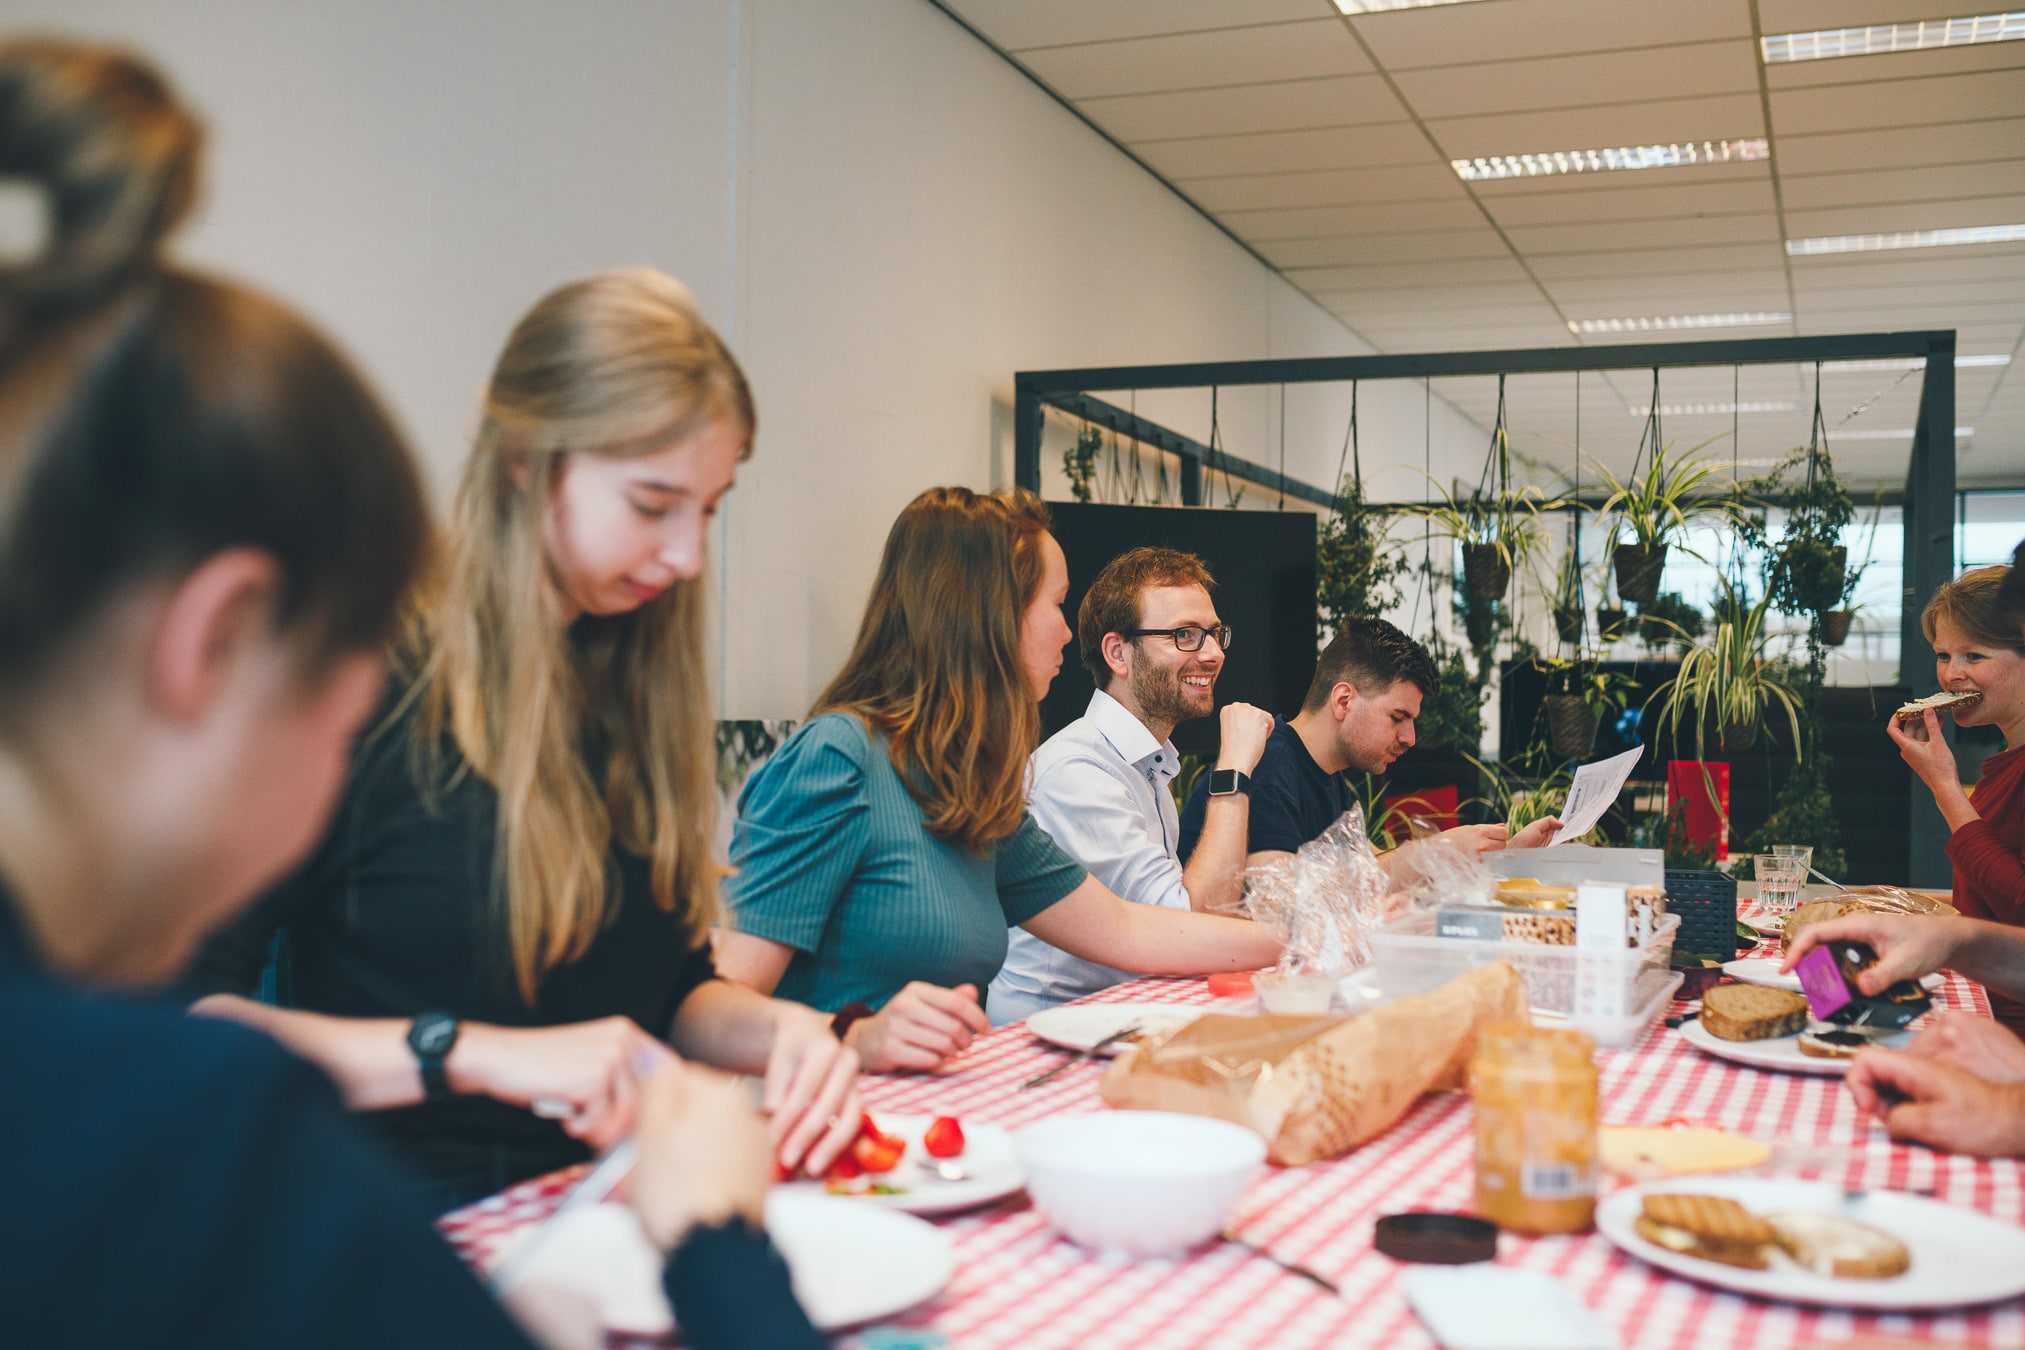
1804	852
1780	877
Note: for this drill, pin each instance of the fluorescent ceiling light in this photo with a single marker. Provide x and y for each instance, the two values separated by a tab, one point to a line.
1597	161
1893	434
1673	321
1378	6
1868	243
1911	363
1911	36
1705	409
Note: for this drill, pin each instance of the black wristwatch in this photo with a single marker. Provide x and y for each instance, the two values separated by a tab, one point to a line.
1228	783
431	1036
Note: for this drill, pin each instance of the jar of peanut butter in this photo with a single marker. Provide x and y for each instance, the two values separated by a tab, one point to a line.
1535	1095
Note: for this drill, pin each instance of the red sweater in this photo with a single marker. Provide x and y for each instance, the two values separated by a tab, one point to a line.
1989	858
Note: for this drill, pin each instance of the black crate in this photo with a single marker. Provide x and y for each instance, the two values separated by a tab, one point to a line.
1707	905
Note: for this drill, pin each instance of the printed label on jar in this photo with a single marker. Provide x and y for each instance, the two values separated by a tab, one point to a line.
1556	1180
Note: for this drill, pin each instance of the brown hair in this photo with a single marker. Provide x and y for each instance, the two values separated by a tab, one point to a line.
150	417
1371	655
620	363
1112	604
1973	605
937	666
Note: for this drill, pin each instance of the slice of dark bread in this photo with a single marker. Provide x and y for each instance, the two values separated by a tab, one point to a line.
1752	1012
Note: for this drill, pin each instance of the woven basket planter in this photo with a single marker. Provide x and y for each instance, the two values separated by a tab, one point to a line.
1486	575
1571	726
1835	626
1639	567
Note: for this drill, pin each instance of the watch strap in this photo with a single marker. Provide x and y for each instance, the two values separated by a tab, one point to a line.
1229	782
431	1036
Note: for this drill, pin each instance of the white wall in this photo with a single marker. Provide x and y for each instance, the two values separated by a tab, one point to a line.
885	218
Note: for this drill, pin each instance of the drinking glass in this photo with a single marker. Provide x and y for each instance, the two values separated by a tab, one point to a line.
1804	852
1780	877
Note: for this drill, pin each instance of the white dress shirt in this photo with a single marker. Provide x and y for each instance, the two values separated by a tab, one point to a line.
1099	786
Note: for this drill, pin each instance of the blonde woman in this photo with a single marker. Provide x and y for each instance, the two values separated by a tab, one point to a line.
207	524
509	922
886	848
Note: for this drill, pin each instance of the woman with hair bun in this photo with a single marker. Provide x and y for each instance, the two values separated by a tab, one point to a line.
1978	647
885	849
207	525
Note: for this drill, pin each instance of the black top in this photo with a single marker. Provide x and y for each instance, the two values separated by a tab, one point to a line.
394	915
174	1181
1293	799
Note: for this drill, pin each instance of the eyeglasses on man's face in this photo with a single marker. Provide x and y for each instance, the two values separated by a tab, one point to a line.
1188	637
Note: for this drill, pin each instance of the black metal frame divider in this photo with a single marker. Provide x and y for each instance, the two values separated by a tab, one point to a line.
1929	487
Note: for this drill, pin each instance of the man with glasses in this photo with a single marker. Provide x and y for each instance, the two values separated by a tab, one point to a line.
1150	637
1359	714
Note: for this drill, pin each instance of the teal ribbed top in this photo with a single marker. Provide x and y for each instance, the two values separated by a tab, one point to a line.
833	860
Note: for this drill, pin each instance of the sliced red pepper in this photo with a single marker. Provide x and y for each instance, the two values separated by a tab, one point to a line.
944	1138
844	1167
878	1155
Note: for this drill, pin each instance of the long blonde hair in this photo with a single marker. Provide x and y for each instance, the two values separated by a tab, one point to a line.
617	364
937	667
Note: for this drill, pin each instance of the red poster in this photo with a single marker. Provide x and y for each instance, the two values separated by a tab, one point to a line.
1702	788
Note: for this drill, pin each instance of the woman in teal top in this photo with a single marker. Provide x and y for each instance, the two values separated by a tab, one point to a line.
885	849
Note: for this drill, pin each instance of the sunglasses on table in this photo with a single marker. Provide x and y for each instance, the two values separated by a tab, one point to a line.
1188	637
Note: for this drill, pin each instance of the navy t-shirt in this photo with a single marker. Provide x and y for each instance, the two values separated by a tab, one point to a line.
1293	798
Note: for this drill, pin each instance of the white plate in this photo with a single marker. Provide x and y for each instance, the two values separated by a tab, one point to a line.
1078	1026
1766	925
1960	1257
988	1156
1765	970
850	1262
1780	1052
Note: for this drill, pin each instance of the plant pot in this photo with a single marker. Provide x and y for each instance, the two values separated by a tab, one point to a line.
1568	623
1480	622
1813	574
1610	623
1486	575
1737	737
1571	726
1638	571
1835	626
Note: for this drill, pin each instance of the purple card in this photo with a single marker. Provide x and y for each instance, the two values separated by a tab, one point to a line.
1827	992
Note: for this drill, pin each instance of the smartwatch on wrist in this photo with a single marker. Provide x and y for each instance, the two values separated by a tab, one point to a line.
1228	783
431	1037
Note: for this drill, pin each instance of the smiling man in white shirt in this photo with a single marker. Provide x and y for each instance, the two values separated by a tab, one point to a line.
1150	637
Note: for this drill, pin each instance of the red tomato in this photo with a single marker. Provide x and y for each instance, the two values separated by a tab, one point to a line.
844	1167
944	1138
878	1155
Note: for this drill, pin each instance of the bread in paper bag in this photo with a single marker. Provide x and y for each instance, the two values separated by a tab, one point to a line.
1317	1087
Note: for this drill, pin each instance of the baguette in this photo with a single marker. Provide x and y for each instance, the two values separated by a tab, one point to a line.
1752	1012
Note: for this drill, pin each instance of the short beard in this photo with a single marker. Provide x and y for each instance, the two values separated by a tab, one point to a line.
1160	697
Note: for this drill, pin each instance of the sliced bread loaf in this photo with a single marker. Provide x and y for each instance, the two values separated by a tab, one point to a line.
1752	1012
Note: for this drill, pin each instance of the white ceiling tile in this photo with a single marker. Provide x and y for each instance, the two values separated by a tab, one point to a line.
1889	66
1451	34
1507	85
1343	100
1715	259
1435	299
1384	248
1647	200
1390	276
1896	147
1375	217
1887	217
1679	294
1806	16
1998	178
1016	24
1719	117
1289	151
1902	266
1811	291
1534	240
1286	51
1574	184
1260	192
1855	107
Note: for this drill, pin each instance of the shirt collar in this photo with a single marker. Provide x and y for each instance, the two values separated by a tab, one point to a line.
1129	736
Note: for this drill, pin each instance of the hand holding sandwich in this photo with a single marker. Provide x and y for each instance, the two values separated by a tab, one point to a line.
1921	745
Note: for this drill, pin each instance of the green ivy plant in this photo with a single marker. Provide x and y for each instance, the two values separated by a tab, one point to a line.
1079	462
1358	570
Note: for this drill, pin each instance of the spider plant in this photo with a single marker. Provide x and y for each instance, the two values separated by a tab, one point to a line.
1654	510
1500	534
1731	681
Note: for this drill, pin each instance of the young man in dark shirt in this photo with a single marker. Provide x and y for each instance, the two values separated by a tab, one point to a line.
1359	713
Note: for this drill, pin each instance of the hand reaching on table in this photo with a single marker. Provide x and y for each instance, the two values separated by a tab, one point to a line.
811	1097
1974	1044
1928	1102
922	1025
704	1153
1908	946
591	1070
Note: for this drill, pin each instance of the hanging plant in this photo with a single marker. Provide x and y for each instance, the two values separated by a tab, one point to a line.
1652	511
1079	462
1811	566
1670	621
1730	684
1497	528
1580	695
1453	715
1568	598
1358	570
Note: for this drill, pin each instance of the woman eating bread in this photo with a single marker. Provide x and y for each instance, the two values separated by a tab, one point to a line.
1978	649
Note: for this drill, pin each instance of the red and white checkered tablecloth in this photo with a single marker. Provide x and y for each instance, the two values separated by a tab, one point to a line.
1019	1284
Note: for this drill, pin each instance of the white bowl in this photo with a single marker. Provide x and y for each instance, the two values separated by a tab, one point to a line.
1144	1183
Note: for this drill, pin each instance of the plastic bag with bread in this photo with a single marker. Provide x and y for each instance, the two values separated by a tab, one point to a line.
1317	1087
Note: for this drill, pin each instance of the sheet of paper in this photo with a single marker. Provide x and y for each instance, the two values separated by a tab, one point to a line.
1595	787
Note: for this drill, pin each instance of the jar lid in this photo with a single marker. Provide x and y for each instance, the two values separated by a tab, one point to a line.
1437	1239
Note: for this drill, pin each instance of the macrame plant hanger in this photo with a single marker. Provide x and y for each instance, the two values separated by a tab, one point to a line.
1575	523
